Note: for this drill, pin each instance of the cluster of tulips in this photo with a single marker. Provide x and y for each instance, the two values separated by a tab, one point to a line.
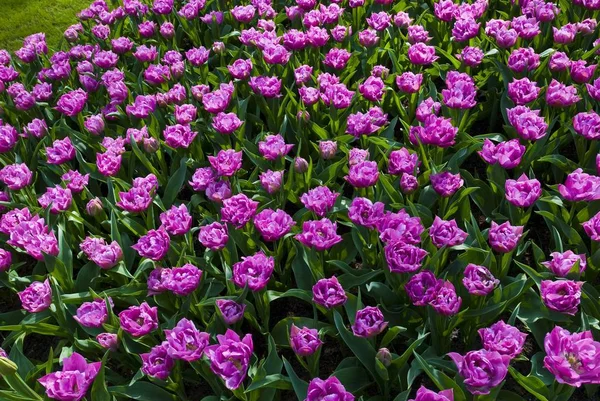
398	176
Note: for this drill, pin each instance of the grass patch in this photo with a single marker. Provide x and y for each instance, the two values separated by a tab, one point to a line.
20	18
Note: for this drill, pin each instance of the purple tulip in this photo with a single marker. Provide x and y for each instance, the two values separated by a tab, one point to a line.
328	292
213	236
478	280
73	382
139	320
504	237
572	358
184	280
230	358
253	271
400	227
403	258
5	260
503	338
561	95
507	154
424	394
446	183
274	147
305	341
523	91
482	370
238	210
561	295
271	181
460	91
319	200
365	213
154	245
580	186
587	125
320	234
528	123
37	297
369	322
409	82
185	341
562	263
446	233
72	103
176	221
273	224
523	192
108	341
422	288
446	301
157	363
592	227
362	175
230	311
92	314
329	389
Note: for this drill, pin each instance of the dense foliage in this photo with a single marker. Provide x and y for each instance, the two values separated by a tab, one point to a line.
376	200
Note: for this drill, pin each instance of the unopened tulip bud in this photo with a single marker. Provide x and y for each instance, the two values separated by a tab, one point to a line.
151	145
300	165
94	207
384	356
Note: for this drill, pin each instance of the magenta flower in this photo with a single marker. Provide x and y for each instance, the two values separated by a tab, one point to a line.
238	210
592	227
320	234
274	147
400	227
580	186
478	280
62	151
93	314
446	233
202	178
37	297
523	91
329	389
328	292
369	322
16	176
269	87
482	370
305	341
523	192
182	281
507	154
176	221
271	181
504	237
185	341
372	89
273	224
253	271
424	394
139	320
5	260
572	358
230	358
59	199
528	123
230	311
422	288
226	123
73	382
319	200
213	236
327	149
404	258
108	341
154	245
421	54
157	363
402	161
562	263
363	175
446	301
72	103
561	295
561	95
365	213
503	338
446	183
460	91
587	125
227	162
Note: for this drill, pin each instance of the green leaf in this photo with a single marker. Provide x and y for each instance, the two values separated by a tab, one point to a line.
300	386
143	391
277	381
99	389
442	381
533	385
175	183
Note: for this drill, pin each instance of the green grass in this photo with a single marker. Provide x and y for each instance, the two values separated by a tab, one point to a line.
19	18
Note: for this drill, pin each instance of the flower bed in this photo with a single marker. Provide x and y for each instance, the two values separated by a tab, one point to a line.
382	200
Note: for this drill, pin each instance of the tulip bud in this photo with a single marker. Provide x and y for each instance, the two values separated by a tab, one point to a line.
94	207
218	47
408	183
108	341
327	149
300	165
303	115
384	356
7	367
151	145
